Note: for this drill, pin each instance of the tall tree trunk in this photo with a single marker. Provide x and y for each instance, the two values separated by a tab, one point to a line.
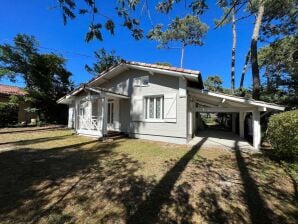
244	69
182	56
233	52
254	53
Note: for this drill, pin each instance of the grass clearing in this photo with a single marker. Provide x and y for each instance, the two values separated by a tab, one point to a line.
53	176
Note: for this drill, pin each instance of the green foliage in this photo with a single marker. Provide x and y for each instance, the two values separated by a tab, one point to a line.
279	62
104	61
45	75
280	18
197	6
283	134
213	83
124	9
188	31
8	114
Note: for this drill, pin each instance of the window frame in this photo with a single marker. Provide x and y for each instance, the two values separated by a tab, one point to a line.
147	108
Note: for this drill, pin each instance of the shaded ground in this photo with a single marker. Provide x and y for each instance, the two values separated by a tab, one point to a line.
222	139
53	176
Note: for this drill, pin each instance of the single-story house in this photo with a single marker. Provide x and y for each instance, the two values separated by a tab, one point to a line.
7	91
154	102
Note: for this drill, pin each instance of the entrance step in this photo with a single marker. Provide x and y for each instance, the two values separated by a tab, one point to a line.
115	135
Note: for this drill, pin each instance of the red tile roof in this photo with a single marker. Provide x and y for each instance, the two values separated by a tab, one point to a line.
175	69
11	90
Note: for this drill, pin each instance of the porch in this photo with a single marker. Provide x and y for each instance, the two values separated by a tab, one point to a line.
95	111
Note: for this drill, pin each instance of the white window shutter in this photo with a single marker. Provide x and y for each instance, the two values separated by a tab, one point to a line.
137	112
170	107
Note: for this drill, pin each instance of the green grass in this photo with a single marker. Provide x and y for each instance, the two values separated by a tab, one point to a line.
53	176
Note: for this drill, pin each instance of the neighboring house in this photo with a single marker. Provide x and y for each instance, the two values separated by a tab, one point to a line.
153	102
7	91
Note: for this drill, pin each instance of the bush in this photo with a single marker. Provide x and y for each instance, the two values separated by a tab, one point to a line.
282	133
8	114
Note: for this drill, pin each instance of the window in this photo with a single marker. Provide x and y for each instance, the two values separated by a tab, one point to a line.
82	108
110	113
154	108
141	81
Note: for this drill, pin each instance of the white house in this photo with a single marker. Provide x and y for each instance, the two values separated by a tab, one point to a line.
153	102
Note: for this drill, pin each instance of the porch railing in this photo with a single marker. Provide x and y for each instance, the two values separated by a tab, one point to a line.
90	123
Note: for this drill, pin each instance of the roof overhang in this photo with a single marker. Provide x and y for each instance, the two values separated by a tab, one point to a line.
230	103
68	99
114	71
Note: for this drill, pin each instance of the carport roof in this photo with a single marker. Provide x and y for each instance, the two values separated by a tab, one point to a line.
234	100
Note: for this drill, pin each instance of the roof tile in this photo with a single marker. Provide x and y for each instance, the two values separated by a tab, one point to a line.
11	90
163	67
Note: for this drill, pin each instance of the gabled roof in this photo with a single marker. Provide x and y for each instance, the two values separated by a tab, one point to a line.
68	98
11	90
151	68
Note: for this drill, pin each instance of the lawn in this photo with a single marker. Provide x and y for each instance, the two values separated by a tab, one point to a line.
53	176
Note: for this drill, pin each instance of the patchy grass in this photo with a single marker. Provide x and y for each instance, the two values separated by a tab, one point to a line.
53	176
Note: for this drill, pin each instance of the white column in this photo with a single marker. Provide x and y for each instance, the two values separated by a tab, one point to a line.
241	124
76	112
256	129
234	122
190	118
90	113
104	114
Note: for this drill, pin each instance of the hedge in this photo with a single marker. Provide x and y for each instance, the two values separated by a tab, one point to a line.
282	133
8	114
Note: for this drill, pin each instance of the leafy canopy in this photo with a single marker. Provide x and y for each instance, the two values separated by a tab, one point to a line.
104	61
188	31
279	64
213	83
45	75
126	10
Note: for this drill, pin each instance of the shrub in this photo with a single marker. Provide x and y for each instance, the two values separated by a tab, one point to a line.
8	114
282	133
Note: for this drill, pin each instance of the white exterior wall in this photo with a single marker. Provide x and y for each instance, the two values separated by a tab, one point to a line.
159	85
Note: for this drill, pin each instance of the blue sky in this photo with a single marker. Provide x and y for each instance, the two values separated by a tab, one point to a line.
41	19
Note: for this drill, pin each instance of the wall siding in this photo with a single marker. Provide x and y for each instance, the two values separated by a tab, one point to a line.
158	85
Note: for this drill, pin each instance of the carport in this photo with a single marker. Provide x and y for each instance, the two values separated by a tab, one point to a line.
203	101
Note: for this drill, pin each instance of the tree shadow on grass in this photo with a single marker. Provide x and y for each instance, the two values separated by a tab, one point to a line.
148	210
35	140
29	130
23	171
258	210
285	166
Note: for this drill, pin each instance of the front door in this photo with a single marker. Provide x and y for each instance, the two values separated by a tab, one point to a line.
110	121
113	115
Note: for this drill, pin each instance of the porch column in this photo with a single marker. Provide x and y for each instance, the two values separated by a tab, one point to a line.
234	122
76	115
190	119
104	114
256	129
